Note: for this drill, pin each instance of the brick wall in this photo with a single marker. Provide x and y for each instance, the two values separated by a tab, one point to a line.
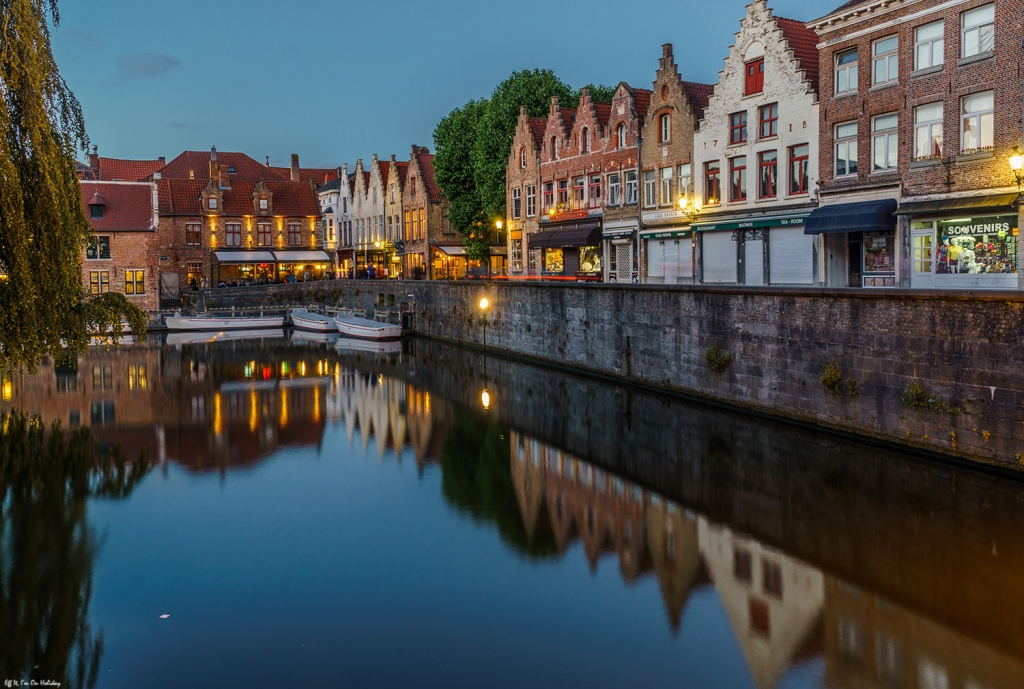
128	251
963	349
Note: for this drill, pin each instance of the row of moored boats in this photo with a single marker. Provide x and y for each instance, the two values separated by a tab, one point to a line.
343	322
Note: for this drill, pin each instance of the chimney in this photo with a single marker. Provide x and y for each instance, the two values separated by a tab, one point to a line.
94	160
162	160
214	166
295	167
268	161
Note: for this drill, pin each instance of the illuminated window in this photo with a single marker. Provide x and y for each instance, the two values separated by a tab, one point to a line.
135	282
99	281
712	183
264	235
137	377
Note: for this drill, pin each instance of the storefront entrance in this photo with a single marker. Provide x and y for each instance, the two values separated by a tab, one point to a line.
922	260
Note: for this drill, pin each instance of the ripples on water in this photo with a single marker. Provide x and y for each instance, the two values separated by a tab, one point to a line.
311	515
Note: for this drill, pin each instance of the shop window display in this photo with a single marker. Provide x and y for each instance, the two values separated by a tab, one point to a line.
879	259
977	246
590	259
554	261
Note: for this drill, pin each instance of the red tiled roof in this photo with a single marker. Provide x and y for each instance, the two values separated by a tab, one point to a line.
403	172
537	127
698	94
117	169
352	185
127	206
317	175
426	162
385	167
246	169
184	197
642	101
366	181
603	111
804	44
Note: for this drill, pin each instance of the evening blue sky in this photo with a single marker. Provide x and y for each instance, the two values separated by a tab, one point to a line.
336	81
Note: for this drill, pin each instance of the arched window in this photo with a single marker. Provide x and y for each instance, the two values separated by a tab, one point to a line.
622	136
585	140
522	157
665	127
554	148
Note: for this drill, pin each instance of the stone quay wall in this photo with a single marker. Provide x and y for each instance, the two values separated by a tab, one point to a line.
937	371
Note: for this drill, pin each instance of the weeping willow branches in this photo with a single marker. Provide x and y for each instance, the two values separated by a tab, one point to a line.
43	229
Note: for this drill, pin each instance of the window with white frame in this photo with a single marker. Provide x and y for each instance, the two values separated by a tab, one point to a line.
928	131
666	128
650	189
621	135
978	31
884	140
522	157
666	186
515	257
685	174
614	191
929	45
976	115
885	60
531	201
517	203
846	149
846	71
631	187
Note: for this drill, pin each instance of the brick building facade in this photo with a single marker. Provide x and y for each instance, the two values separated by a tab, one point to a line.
425	228
225	217
122	254
522	192
676	108
921	108
756	158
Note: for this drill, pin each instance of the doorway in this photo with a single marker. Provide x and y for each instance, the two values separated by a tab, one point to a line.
922	247
856	261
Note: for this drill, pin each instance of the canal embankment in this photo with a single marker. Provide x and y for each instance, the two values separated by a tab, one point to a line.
936	371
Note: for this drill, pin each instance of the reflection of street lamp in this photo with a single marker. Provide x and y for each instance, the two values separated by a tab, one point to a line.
1017	165
485	399
484	304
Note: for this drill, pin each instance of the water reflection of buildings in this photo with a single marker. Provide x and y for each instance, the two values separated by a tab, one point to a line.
783	611
214	408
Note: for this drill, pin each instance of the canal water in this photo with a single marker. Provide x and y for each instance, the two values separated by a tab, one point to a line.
284	512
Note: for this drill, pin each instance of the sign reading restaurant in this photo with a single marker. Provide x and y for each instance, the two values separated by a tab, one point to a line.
748	224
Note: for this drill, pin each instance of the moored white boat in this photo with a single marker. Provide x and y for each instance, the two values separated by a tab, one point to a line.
345	344
366	329
202	323
307	320
207	337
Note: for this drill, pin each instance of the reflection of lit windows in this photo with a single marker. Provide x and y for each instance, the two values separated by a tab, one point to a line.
102	377
851	639
932	675
137	377
8	390
888	658
742	565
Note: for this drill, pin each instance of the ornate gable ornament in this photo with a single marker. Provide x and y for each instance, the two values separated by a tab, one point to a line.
262	200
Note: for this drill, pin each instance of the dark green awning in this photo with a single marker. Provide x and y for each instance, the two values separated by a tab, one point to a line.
987	204
867	216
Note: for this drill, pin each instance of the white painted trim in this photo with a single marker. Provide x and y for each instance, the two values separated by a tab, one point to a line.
892	22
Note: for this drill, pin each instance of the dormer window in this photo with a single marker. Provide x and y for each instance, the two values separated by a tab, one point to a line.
212	203
95	211
264	203
231	170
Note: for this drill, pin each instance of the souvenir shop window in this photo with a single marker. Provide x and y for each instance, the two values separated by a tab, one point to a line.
590	259
978	246
554	260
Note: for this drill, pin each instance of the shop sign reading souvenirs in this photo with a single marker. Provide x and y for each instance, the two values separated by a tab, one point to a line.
1000	225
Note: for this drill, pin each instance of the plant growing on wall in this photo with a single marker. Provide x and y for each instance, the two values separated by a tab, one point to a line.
831	378
716	359
916	397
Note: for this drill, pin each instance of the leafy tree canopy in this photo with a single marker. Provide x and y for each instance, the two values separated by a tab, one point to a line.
43	228
454	141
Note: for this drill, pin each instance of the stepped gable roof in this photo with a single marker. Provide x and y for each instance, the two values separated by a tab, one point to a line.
426	163
603	111
352	184
198	162
316	175
537	126
366	181
403	171
804	44
117	169
184	197
126	206
698	95
385	170
642	101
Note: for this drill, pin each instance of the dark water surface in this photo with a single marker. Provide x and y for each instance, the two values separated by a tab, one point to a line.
322	517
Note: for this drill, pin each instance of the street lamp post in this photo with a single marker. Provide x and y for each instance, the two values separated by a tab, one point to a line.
485	396
1017	166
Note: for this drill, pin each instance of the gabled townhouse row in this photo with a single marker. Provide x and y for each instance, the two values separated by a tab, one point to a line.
874	147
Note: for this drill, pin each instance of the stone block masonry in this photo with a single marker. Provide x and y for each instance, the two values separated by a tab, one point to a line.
935	371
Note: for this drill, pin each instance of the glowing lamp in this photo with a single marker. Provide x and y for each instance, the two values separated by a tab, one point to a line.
485	399
484	304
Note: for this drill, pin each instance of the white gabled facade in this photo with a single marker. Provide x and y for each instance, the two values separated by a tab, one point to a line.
760	130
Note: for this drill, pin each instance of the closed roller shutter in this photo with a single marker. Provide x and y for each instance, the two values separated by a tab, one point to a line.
719	257
656	261
685	261
791	255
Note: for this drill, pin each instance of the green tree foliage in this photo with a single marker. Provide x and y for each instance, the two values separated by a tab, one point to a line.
43	228
599	93
454	141
47	549
497	129
477	479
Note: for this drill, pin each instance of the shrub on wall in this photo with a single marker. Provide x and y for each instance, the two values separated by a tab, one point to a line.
916	397
716	359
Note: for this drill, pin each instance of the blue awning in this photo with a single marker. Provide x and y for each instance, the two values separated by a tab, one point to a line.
867	216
